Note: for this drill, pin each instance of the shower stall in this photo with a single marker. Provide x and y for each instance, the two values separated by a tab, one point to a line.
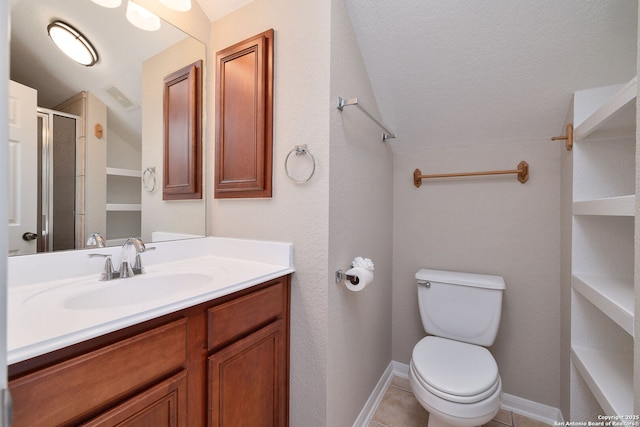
56	165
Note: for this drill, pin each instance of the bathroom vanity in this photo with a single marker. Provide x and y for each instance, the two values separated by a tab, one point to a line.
217	354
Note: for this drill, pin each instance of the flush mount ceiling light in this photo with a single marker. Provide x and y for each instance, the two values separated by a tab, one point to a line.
108	3
72	43
141	17
177	5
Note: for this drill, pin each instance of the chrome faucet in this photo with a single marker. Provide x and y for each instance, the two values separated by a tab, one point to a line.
96	239
127	269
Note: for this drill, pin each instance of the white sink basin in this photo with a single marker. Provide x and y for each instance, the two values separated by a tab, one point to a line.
137	290
94	294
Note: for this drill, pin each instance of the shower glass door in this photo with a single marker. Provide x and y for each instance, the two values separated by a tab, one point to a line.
57	140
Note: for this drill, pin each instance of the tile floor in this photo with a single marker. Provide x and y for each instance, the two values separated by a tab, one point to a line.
398	408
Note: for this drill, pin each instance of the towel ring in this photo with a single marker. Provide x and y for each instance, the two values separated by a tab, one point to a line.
300	150
149	179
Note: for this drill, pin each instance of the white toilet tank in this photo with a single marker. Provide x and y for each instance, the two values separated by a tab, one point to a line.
460	306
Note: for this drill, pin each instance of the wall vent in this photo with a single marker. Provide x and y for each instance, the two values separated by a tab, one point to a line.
120	98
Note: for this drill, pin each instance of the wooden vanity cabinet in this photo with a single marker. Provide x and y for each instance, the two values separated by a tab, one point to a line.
248	368
221	363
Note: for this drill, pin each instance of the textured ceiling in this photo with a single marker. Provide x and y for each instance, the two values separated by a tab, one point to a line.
215	9
462	72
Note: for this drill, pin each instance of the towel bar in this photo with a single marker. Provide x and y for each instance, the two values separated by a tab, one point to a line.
522	172
387	134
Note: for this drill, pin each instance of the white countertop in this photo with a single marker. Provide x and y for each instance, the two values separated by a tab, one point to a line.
39	321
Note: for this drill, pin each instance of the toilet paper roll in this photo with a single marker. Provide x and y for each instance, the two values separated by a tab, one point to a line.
362	278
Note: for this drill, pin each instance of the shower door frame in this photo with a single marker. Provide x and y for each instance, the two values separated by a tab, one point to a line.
45	240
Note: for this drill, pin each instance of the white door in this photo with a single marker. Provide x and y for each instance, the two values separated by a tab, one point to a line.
23	169
5	405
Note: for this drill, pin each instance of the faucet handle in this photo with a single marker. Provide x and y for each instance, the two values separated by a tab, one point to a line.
137	265
108	273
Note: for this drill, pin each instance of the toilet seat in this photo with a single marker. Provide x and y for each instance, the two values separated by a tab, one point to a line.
455	371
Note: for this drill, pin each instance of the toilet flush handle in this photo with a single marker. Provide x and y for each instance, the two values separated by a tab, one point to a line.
425	283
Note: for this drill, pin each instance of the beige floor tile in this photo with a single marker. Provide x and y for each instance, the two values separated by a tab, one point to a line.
400	382
399	408
522	421
504	417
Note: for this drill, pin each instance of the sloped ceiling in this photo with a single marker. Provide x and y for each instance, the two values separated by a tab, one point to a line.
463	72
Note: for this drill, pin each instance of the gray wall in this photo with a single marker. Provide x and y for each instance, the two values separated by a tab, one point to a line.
490	225
360	224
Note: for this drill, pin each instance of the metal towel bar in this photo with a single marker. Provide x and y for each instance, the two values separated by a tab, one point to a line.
387	134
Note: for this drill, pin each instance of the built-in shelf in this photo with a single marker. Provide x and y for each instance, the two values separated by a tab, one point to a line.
612	296
124	172
604	173
121	207
614	117
609	376
610	206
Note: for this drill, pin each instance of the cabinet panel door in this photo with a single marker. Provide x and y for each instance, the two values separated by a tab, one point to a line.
244	124
164	405
246	381
182	174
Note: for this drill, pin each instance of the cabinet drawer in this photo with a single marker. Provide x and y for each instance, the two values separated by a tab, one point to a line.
236	318
78	387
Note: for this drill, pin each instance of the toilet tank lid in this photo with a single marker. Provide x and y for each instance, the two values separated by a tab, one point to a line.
464	279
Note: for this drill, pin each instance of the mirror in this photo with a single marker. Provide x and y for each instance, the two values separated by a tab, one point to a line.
119	133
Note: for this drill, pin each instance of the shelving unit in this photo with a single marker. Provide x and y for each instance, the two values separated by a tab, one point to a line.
602	300
611	206
124	172
608	378
124	208
611	295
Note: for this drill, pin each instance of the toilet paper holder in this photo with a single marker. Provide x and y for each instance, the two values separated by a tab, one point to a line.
340	276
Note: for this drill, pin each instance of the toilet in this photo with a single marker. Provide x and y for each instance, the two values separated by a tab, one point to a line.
453	376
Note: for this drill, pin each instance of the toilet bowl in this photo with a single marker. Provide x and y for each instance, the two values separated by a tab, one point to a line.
457	383
453	376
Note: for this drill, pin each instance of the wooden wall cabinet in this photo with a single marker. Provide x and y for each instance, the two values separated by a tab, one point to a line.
221	363
244	122
182	176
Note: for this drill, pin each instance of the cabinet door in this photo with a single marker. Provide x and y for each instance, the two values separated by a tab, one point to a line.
164	405
246	381
244	123
182	174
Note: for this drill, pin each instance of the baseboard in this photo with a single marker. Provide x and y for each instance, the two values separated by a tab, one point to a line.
528	408
377	393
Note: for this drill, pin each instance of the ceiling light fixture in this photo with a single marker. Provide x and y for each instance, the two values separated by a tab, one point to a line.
72	43
141	17
108	3
177	5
